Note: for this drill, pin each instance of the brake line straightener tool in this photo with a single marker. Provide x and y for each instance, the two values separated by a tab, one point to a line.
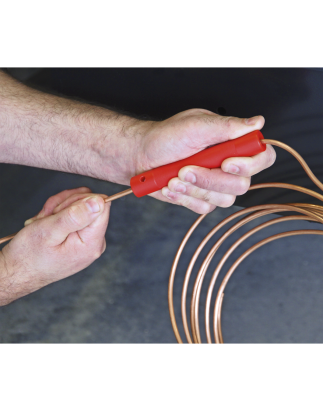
212	157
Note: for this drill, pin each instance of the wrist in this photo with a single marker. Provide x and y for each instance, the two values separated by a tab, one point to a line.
118	149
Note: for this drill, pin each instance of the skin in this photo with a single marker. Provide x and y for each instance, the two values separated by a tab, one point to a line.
41	130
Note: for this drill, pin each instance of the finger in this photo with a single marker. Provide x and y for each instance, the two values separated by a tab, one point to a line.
94	233
92	236
74	218
55	200
234	127
211	180
194	204
72	199
212	197
249	166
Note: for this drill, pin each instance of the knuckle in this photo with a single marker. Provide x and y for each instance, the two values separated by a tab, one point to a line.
73	214
197	116
193	122
228	121
60	221
188	202
185	201
193	191
194	112
208	119
198	206
204	181
206	196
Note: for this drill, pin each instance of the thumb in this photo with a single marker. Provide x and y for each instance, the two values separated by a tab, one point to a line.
235	127
75	217
221	129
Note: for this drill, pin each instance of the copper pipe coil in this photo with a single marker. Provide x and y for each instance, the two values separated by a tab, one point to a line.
309	212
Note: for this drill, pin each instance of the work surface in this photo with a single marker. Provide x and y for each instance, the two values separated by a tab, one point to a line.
275	295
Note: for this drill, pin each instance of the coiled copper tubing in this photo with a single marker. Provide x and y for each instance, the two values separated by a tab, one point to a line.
308	212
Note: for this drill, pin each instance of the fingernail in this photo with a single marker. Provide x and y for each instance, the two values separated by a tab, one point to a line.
251	121
40	214
167	193
27	222
30	220
93	205
233	169
180	188
190	177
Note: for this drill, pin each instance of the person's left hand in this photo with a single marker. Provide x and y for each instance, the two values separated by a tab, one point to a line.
201	189
65	237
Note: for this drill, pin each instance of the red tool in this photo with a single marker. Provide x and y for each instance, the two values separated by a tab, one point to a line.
153	180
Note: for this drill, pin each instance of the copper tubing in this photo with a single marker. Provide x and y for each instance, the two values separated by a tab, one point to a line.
308	212
118	195
9	237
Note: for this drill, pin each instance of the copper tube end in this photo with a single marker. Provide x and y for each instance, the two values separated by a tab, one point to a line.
118	195
9	237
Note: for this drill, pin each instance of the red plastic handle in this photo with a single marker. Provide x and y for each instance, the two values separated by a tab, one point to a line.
212	157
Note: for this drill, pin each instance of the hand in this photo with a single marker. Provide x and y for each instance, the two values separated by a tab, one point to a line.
189	132
64	238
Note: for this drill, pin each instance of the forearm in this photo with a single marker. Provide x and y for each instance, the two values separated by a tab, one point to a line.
42	130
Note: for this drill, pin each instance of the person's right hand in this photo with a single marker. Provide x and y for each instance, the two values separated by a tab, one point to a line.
64	238
201	189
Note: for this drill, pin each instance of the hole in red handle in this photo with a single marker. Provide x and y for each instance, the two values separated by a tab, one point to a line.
142	179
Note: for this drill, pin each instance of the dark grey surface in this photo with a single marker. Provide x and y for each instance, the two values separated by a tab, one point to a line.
275	296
